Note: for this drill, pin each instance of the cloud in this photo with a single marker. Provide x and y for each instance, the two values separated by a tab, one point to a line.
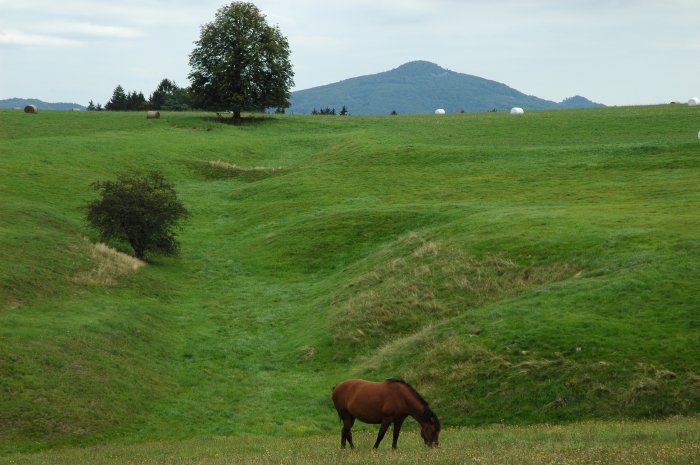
21	38
77	28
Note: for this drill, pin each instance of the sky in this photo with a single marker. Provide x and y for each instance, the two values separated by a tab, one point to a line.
616	52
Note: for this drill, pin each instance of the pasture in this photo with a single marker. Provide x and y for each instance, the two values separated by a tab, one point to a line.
538	269
668	442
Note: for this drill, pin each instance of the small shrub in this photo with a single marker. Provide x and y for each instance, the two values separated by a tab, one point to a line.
142	210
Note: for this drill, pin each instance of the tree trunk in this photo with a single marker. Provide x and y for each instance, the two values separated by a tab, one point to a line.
236	117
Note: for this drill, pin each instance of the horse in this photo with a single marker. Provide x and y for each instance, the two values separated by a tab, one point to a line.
390	401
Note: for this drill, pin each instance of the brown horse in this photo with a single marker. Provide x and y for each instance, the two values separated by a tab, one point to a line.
386	402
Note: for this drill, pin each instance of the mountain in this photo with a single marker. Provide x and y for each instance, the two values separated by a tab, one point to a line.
422	87
40	104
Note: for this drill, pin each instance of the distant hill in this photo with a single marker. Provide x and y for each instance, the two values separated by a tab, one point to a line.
41	105
422	87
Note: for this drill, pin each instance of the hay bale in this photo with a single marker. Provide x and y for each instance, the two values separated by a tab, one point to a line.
439	111
517	111
693	102
31	109
153	115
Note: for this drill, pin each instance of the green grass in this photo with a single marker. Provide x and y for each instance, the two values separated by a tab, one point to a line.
519	270
675	441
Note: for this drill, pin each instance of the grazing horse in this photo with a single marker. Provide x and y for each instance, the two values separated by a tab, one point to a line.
390	401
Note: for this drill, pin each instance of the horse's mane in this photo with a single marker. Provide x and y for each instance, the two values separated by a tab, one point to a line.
427	413
411	388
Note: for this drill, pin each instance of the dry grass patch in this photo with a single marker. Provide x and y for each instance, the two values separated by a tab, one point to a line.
217	169
239	170
110	266
422	282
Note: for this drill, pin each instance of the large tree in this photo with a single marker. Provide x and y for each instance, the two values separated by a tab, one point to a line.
240	63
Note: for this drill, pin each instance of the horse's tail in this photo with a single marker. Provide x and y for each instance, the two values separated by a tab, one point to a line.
339	416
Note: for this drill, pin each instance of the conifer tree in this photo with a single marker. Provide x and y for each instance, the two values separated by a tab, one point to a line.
118	101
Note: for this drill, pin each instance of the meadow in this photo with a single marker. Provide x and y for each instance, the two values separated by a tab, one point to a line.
515	270
667	442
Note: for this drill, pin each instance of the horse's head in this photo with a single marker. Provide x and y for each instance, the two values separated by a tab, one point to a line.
430	431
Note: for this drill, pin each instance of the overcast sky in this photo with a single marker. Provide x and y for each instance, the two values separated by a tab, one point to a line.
617	52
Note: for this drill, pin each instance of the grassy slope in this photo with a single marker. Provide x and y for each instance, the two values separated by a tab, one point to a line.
527	269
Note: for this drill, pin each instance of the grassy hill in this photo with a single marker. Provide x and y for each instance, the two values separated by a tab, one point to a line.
12	103
421	87
513	269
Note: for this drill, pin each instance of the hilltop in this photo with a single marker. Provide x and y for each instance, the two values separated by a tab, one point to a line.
40	104
421	87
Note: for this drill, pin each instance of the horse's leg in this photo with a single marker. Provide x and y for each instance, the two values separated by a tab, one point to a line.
397	429
349	432
382	430
346	433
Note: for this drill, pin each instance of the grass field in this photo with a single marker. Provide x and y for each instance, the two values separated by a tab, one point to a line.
542	269
674	441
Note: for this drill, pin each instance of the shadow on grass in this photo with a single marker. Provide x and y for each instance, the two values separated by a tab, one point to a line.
250	120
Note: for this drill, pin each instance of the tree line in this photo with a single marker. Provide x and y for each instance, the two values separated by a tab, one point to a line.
167	96
330	111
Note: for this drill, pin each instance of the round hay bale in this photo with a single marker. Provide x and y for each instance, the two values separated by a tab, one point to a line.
153	115
439	111
31	109
517	111
693	102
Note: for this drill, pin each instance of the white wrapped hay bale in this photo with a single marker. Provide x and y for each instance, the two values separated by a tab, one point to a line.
439	111
153	115
693	102
517	111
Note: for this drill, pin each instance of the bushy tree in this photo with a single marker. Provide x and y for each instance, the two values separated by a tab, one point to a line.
168	96
142	210
159	96
240	63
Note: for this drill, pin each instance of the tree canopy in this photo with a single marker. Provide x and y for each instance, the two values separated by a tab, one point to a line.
240	63
168	96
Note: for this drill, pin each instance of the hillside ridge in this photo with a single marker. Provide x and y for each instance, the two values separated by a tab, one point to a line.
16	102
420	87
